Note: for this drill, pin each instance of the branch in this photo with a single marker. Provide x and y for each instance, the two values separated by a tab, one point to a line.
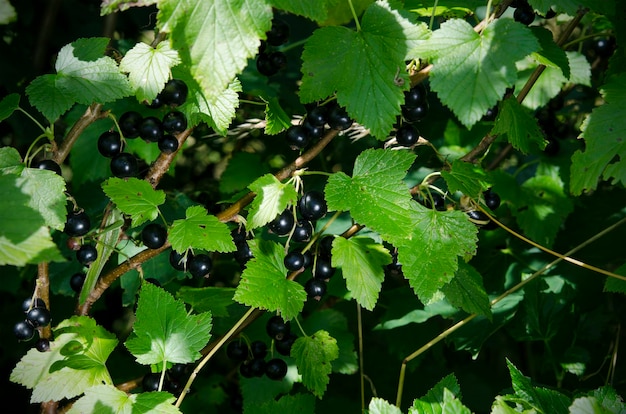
92	114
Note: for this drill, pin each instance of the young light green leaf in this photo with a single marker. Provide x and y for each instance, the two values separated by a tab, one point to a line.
375	195
608	398
430	255
212	31
313	355
53	375
466	291
519	126
471	71
202	231
588	405
272	197
377	53
9	104
276	118
149	68
112	6
435	395
362	263
604	156
164	331
120	402
135	198
264	282
298	403
468	178
380	406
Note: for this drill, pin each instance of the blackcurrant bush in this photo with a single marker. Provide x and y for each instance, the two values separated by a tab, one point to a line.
86	254
297	137
153	235
23	330
129	124
76	281
151	129
524	15
178	260
312	205
407	135
47	164
265	66
277	328
150	381
318	116
38	317
29	304
42	345
339	119
237	350
175	92
168	144
279	33
416	96
276	369
124	165
284	345
283	223
174	122
323	269
109	144
77	224
294	261
415	113
303	231
200	265
258	349
492	200
315	288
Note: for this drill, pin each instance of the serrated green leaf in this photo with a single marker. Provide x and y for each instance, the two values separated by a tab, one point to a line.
380	406
201	231
550	53
608	398
226	33
35	371
472	71
375	195
112	6
272	197
264	282
362	262
470	179
149	68
315	10
433	400
341	12
163	330
604	156
519	126
52	101
377	52
299	403
9	104
208	299
313	355
466	291
616	285
587	405
100	396
276	118
242	169
135	198
47	195
448	8
10	161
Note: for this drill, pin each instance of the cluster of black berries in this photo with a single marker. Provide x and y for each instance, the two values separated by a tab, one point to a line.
492	201
269	60
173	381
524	12
252	357
314	124
199	265
151	129
78	224
414	109
243	252
37	316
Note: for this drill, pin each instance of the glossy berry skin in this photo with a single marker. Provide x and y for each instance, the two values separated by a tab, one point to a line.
243	253
86	254
524	15
315	288
178	260
294	261
151	129
77	224
415	113
407	135
23	330
168	144
42	345
252	368
277	328
38	317
129	124
283	346
76	281
323	269
258	349
339	119
604	46
154	235
110	144
283	223
200	265
318	116
28	304
303	231
312	205
492	200
478	217
326	246
174	122
276	369
297	137
237	350
150	382
314	132
175	92
415	96
124	165
156	103
47	164
265	65
278	34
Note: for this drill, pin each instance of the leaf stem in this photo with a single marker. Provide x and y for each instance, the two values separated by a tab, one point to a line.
432	16
356	19
361	364
43	129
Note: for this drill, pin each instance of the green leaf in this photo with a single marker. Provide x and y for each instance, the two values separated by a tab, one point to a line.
313	355
604	156
208	299
430	255
148	68
272	197
135	198
47	195
519	126
8	104
52	101
10	161
377	53
613	284
588	405
163	330
470	179
608	398
434	399
112	6
362	262
7	12
201	231
107	397
276	118
91	342
218	37
315	10
375	195
380	406
466	291
264	282
472	71
550	54
299	403
242	169
340	13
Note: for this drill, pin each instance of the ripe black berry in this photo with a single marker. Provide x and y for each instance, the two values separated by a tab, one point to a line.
294	261
237	350
284	346
86	254
42	345
278	34
313	132
323	269
23	330
151	129
415	96
312	205
252	368
297	137
283	223
326	246
174	122
339	119
168	144
303	231
28	304
239	235
154	235
243	253
276	369
110	144
200	265
478	217
492	200
318	116
258	349
175	92
38	317
604	46
277	328
77	224
178	260
150	382
315	288
76	281
407	135
265	65
129	124
415	113
124	165
157	102
47	164
524	14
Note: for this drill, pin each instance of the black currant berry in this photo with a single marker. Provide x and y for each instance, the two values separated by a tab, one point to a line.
313	132
23	330
278	34
124	165
175	92
151	129
339	119
277	328
308	259
200	265
265	66
478	217
604	46
178	260
283	223
47	164
318	116
276	369
294	261
239	235
237	350
279	60
415	113
258	349
315	288
252	368
243	253
174	122
312	205
552	148
156	103
168	144
178	371
326	246
86	254
42	345
38	317
323	269
28	304
150	382
109	144
297	137
77	224
524	15
434	200
492	200
284	346
416	96
129	124
303	231
76	281
407	135
154	235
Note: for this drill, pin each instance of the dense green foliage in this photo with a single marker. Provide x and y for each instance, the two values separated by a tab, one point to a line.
267	206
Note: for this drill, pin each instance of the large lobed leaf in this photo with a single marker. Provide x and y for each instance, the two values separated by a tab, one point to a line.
519	126
272	197
200	230
118	401
135	198
313	355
